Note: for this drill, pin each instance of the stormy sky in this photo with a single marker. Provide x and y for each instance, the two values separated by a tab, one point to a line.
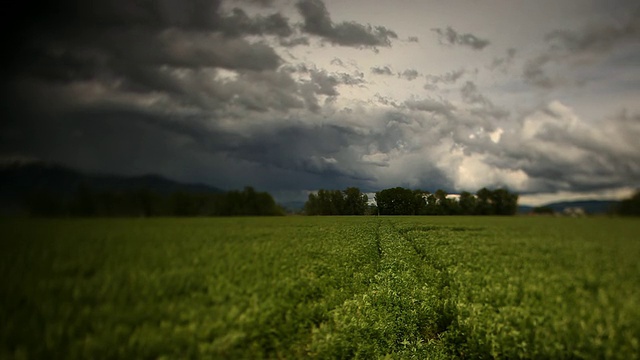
290	96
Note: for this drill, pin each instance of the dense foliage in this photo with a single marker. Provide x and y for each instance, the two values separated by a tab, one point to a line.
401	201
320	287
631	206
335	202
142	202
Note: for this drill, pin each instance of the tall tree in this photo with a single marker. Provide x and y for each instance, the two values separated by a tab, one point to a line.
467	203
484	205
397	201
504	202
630	206
355	202
312	206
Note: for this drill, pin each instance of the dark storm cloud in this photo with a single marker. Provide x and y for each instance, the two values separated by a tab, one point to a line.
449	36
130	41
239	23
126	138
136	87
255	91
317	21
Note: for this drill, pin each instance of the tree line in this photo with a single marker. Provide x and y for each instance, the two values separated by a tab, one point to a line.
402	201
630	206
146	203
350	201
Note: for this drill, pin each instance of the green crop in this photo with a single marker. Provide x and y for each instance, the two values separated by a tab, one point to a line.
325	287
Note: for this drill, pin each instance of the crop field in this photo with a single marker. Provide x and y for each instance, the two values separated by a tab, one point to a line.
320	287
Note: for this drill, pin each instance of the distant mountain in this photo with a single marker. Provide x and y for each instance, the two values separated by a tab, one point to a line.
18	179
525	209
589	206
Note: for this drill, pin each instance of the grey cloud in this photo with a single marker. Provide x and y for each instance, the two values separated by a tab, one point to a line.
579	48
447	78
354	79
322	82
597	38
296	41
118	39
325	83
430	105
558	152
449	36
385	70
413	39
239	23
171	141
337	61
263	3
212	50
114	13
263	91
534	73
471	95
409	74
386	101
503	63
145	68
317	21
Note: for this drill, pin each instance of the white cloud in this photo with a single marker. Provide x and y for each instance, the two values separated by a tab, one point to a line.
601	194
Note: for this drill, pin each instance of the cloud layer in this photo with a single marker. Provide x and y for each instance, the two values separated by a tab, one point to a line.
284	98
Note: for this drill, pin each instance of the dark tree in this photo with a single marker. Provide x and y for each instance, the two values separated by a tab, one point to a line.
312	206
631	206
351	201
432	207
467	203
44	203
484	204
355	202
504	202
398	201
83	203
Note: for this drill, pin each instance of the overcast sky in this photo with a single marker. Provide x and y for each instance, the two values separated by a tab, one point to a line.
290	96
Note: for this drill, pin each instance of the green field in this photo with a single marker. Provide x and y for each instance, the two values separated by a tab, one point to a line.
320	287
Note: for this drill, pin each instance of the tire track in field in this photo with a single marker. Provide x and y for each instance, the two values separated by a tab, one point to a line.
378	244
445	314
396	314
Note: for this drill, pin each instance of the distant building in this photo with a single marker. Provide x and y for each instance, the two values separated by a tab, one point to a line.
456	197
